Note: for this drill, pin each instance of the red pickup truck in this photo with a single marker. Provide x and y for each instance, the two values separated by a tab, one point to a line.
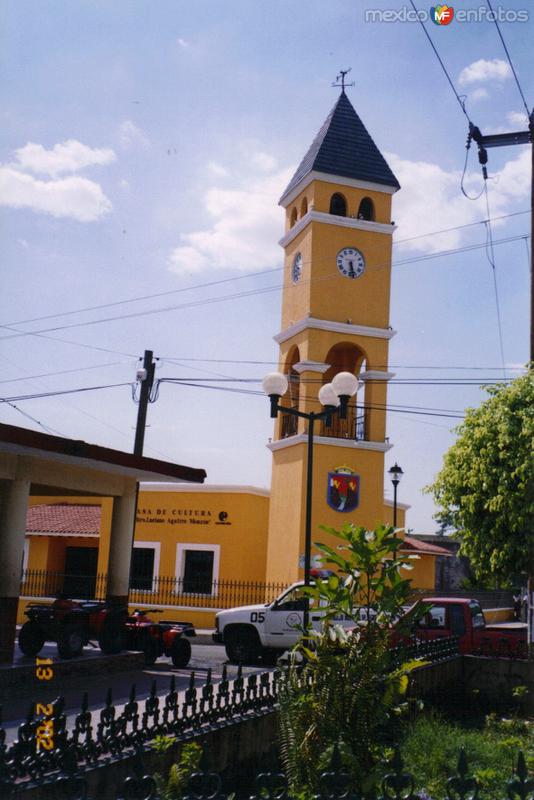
464	618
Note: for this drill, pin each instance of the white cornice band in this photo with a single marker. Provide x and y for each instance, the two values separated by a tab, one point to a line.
376	375
203	488
314	175
341	222
311	366
352	444
335	327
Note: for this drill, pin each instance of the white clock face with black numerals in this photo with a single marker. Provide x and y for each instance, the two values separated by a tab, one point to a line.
350	262
296	268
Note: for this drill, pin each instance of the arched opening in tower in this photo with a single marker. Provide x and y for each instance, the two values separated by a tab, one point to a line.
289	423
338	205
347	357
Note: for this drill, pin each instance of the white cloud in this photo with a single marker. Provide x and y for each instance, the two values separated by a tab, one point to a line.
430	200
518	118
263	161
484	70
217	169
246	223
74	196
68	156
182	42
479	94
130	135
246	227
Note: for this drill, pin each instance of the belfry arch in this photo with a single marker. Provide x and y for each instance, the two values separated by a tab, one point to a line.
347	357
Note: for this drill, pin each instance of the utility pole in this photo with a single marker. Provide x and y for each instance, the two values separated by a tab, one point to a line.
146	376
506	140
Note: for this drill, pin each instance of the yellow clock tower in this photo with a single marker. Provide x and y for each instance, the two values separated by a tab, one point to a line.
335	318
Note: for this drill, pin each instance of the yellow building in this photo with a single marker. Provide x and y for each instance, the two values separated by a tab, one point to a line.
206	547
335	318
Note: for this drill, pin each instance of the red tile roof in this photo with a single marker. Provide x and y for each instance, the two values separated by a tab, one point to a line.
423	548
64	518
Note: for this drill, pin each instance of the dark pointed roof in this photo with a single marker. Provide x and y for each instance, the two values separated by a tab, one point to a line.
344	147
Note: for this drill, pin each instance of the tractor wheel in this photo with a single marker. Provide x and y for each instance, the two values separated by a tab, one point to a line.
112	638
31	638
242	645
180	652
71	640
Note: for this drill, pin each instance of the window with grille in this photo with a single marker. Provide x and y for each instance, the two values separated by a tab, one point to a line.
142	569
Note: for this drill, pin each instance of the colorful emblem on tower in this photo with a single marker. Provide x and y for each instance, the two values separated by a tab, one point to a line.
343	492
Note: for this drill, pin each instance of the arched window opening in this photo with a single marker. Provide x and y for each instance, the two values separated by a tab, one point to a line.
304	206
289	423
293	217
367	209
346	357
338	205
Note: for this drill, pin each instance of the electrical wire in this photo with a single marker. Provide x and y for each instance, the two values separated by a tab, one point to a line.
451	84
211	284
61	372
377	367
79	390
42	425
491	258
494	17
250	293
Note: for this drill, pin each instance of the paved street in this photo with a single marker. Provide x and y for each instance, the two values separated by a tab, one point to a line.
203	657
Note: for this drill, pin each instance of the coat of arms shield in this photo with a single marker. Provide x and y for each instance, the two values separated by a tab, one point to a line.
343	492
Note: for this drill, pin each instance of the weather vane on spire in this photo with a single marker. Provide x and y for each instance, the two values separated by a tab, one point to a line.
341	77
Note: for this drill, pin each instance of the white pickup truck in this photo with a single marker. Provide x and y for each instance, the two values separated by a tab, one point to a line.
248	632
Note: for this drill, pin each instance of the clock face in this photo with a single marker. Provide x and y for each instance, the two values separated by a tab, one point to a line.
350	262
296	269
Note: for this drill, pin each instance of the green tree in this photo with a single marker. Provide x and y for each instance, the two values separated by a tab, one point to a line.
348	692
485	489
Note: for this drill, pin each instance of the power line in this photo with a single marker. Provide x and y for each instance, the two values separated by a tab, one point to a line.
222	281
377	367
491	258
460	102
250	293
79	390
401	409
61	372
494	17
46	428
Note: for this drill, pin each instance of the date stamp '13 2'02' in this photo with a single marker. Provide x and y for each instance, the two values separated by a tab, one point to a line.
44	735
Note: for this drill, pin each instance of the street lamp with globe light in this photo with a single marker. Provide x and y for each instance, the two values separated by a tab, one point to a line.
335	398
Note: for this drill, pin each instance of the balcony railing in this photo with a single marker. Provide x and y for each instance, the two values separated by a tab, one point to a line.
355	427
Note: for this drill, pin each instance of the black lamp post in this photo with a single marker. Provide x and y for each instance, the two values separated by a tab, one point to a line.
395	473
334	397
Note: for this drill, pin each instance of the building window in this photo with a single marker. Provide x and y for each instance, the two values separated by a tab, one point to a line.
338	205
197	568
366	210
144	568
304	206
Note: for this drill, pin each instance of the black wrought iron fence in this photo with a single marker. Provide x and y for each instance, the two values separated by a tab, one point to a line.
164	591
45	743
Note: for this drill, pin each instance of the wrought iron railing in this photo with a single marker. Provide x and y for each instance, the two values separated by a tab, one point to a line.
288	425
354	427
165	591
101	738
115	732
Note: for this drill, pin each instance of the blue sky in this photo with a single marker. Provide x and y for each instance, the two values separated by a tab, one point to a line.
144	149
